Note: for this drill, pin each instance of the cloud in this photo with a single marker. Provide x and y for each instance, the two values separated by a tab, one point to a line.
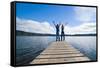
85	13
87	18
45	27
34	26
84	28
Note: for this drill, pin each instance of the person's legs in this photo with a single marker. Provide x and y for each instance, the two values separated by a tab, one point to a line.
56	37
61	37
64	37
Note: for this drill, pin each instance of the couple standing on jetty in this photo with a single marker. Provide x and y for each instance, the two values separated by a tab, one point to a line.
57	32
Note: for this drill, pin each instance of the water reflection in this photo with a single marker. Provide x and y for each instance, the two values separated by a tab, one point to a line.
28	47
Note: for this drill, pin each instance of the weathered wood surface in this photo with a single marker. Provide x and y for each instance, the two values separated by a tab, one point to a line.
59	52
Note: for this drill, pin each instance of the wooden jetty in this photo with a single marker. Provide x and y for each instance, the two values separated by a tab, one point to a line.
59	52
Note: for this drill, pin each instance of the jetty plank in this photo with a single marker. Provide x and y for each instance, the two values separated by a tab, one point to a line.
59	52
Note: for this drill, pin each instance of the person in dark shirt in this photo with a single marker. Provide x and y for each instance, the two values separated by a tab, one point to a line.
57	31
62	33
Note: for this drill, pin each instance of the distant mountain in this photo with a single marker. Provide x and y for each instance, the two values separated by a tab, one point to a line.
23	33
82	35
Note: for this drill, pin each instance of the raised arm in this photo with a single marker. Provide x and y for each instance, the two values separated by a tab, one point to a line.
64	23
59	23
54	23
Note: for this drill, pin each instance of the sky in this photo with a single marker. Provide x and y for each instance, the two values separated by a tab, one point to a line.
39	18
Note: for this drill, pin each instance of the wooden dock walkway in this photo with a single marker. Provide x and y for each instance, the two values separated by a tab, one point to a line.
59	52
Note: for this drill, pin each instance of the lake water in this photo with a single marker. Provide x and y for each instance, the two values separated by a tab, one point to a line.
28	47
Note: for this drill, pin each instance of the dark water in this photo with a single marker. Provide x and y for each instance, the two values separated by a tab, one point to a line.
28	47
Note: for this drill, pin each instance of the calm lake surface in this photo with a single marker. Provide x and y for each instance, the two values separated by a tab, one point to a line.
28	47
